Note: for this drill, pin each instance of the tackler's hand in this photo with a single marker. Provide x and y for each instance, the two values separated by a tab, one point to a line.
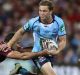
3	46
53	52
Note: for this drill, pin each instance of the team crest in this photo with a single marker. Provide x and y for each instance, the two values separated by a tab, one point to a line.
62	28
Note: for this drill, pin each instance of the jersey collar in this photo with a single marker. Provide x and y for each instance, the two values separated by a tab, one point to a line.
51	22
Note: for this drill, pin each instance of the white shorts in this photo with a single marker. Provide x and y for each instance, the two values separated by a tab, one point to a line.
8	64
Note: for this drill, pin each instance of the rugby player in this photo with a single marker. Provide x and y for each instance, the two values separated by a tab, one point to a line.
46	28
15	54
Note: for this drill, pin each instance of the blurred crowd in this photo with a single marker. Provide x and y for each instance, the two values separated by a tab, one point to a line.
15	13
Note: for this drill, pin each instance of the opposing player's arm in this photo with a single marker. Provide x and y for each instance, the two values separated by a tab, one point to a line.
26	27
25	55
19	55
16	37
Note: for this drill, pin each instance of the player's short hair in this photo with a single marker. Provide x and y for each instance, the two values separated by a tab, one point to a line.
48	3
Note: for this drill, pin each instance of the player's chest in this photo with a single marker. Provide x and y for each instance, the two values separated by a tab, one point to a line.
50	29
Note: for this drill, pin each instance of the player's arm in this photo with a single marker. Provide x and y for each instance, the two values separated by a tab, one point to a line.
61	37
16	37
62	43
25	55
26	27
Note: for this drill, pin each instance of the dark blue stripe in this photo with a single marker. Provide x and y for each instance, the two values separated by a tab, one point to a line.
62	35
34	23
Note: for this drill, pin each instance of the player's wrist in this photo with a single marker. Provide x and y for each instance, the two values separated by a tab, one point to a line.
54	52
44	52
9	45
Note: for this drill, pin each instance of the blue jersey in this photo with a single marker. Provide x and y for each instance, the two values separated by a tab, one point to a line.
43	32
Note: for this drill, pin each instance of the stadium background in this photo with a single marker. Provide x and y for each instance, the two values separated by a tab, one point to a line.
15	13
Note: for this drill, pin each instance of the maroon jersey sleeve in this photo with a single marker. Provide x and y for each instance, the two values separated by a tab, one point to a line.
5	52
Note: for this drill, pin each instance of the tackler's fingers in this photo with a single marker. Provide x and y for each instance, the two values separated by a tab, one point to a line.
3	47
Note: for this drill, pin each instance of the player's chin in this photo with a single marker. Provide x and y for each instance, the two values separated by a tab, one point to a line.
42	17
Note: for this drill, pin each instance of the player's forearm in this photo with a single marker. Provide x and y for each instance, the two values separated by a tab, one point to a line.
25	55
29	55
61	45
19	55
42	53
15	38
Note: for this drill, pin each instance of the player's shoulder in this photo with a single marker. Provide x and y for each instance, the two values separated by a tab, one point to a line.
58	19
32	20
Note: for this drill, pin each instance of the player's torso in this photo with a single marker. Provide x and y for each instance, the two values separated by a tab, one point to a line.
44	32
47	31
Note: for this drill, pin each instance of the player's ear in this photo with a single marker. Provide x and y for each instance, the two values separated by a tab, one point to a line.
51	12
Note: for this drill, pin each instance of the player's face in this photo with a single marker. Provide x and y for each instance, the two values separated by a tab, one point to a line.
44	12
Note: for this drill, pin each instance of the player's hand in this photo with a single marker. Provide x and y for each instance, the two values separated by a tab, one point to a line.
3	46
53	52
44	52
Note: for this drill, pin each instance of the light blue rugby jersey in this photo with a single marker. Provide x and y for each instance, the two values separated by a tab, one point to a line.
43	31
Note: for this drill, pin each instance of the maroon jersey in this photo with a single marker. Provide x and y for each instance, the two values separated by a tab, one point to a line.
5	52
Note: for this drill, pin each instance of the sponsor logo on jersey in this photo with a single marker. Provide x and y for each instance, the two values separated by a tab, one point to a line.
62	28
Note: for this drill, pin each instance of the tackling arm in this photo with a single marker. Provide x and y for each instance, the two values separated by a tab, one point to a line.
25	55
16	37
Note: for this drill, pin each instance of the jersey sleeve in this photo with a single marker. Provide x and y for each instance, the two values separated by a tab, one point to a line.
5	52
62	30
28	26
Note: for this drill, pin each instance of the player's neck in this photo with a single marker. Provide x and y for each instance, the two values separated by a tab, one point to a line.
47	20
